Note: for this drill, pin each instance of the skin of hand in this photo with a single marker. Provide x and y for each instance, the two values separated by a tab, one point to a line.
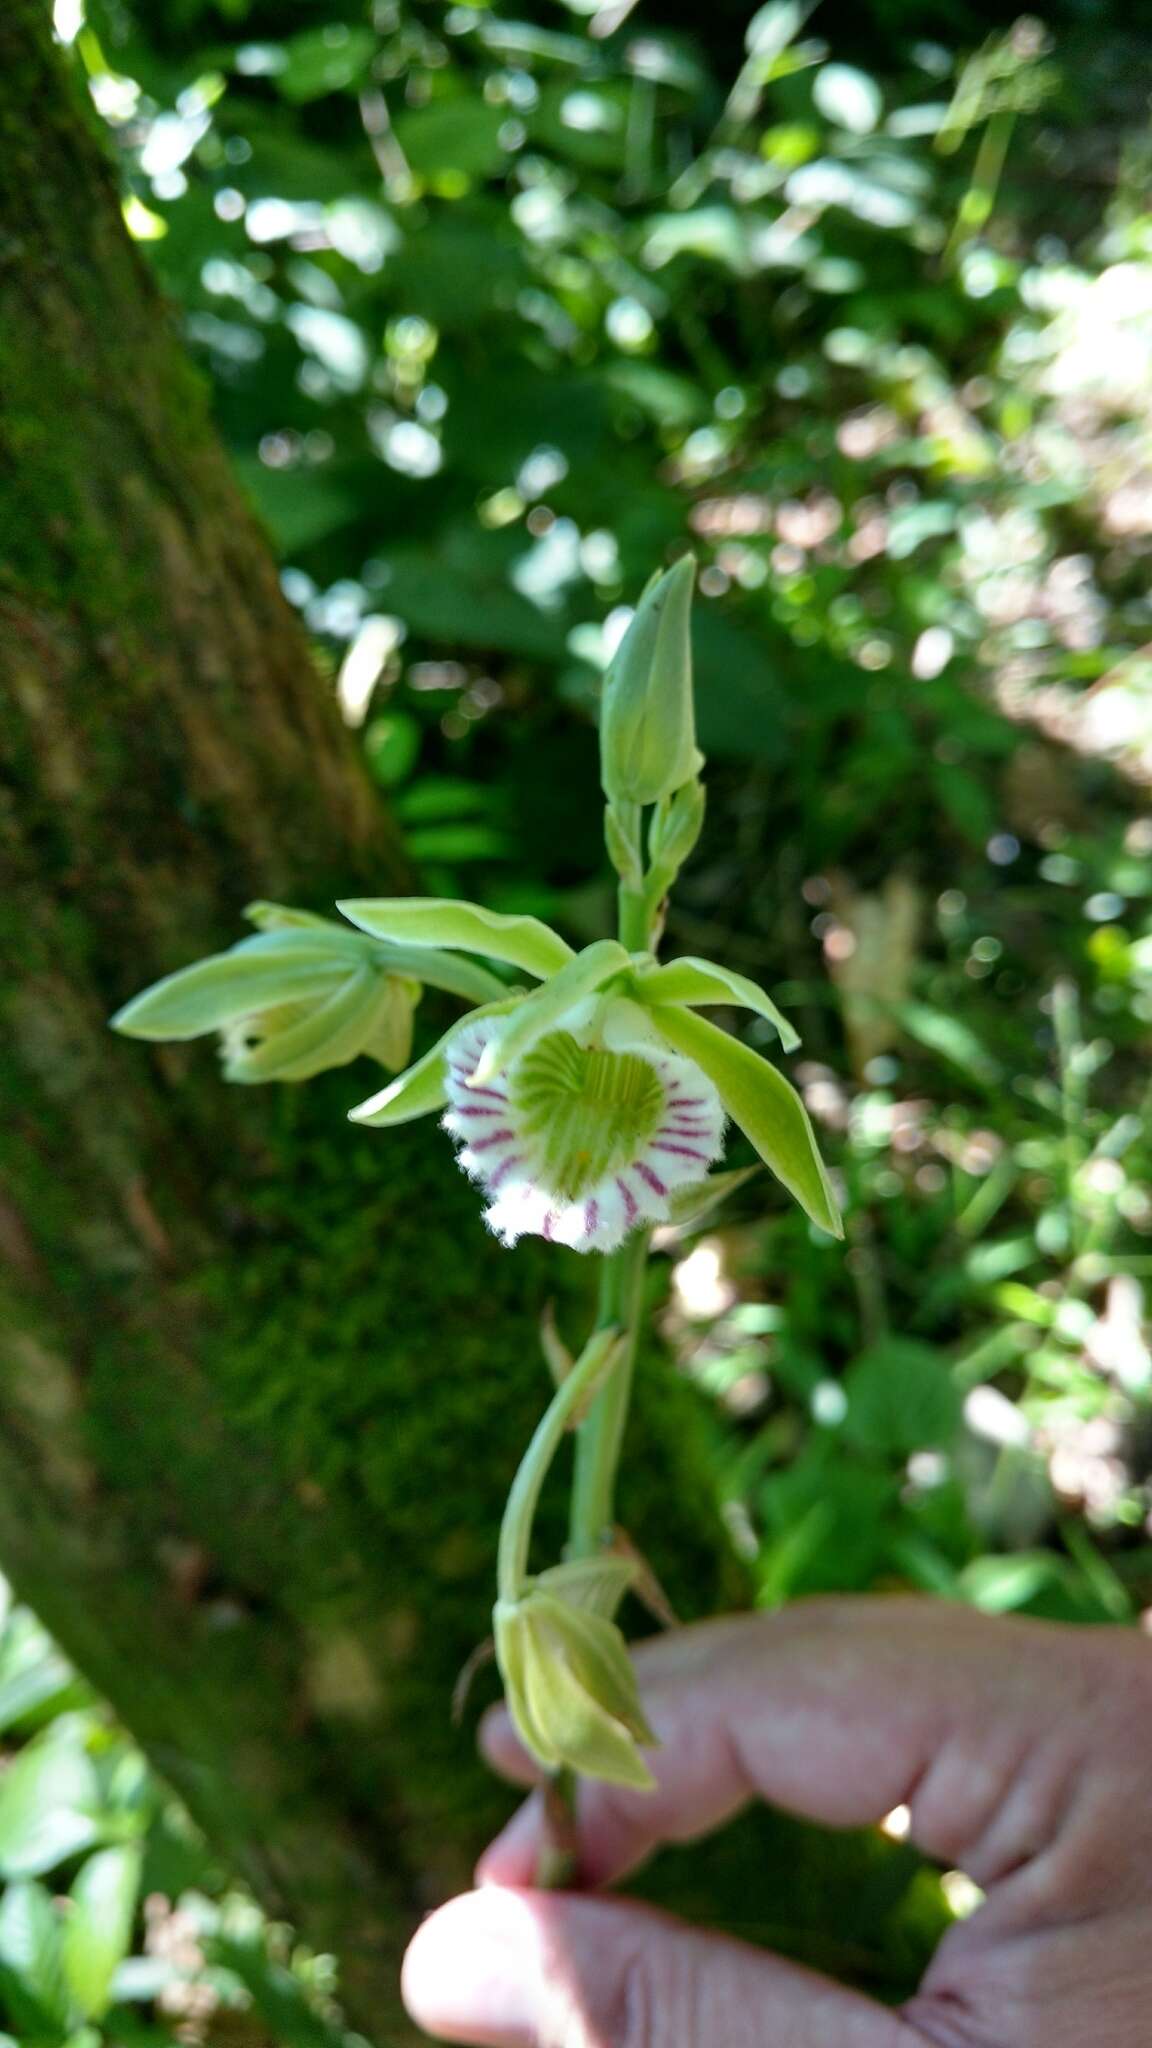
1022	1749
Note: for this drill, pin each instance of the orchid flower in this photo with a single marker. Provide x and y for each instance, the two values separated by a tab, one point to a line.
584	1104
303	994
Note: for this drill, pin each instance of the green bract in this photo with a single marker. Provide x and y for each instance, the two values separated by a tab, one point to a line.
647	729
303	995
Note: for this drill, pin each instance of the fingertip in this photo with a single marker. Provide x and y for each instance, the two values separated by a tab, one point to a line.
501	1747
513	1857
471	1971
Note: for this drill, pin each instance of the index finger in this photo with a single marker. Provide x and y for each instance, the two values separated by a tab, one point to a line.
839	1710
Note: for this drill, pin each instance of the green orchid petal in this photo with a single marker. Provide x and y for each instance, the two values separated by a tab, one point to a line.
693	981
420	1090
540	1012
766	1108
457	976
217	991
277	917
390	1038
435	921
328	1035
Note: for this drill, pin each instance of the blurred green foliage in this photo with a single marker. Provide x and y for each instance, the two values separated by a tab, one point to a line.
500	304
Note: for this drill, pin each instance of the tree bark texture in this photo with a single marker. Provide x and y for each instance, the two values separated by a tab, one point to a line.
263	1378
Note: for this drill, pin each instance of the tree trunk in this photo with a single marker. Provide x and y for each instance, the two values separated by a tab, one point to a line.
263	1378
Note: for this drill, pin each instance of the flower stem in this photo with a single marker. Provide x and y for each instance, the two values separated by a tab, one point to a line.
519	1514
601	1434
600	1437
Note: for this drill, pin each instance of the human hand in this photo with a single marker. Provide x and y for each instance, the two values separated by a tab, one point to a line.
1023	1750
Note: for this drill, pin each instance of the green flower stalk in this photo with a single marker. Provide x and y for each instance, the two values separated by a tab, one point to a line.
586	1096
570	1687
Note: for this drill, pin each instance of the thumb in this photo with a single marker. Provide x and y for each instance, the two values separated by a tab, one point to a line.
518	1969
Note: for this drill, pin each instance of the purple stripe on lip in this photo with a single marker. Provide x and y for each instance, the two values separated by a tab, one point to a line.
630	1210
504	1168
591	1218
653	1179
688	1101
683	1151
493	1138
469	1109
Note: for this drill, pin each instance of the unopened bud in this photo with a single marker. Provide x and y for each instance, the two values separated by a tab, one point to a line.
647	730
568	1679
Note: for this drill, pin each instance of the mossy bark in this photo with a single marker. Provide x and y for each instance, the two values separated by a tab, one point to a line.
263	1379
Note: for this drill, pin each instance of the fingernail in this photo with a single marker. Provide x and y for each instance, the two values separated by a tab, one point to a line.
472	1972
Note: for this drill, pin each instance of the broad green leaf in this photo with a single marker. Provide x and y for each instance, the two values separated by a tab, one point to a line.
98	1930
951	1038
30	1957
774	26
318	61
545	1009
848	97
421	1090
766	1108
436	921
693	981
48	1802
217	991
461	135
901	1398
34	1678
1001	1584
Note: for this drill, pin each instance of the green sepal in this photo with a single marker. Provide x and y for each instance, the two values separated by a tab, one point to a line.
766	1108
647	731
544	1009
436	921
691	1205
451	972
691	981
256	975
279	917
421	1090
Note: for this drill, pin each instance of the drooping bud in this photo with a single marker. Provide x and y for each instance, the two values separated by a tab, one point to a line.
568	1679
647	730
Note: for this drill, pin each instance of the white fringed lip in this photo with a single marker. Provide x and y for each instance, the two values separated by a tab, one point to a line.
499	1149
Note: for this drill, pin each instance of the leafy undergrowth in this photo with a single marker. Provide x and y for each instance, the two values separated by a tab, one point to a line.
116	1924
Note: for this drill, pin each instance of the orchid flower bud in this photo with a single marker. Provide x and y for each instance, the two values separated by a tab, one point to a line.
568	1680
647	730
